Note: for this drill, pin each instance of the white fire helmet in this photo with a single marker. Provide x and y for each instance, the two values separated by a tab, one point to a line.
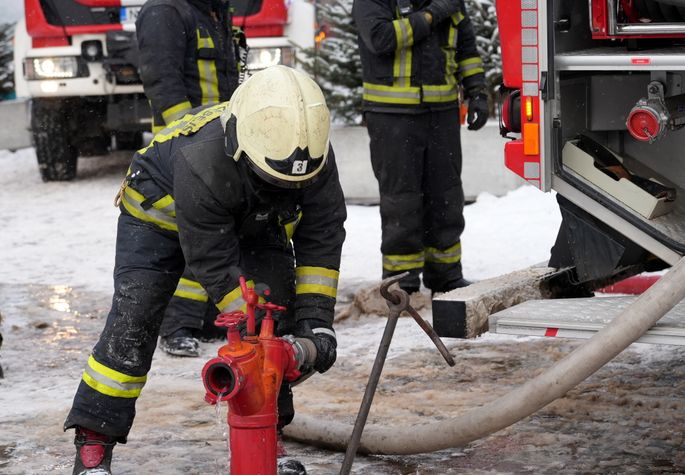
279	120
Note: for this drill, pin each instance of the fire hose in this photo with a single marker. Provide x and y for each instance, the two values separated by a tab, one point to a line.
585	360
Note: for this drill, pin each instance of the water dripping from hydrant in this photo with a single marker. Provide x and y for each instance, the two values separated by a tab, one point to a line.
222	466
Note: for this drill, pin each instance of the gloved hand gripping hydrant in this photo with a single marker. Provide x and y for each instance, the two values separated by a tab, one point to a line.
248	374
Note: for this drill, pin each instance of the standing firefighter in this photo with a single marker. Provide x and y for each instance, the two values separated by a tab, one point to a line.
415	57
188	59
226	188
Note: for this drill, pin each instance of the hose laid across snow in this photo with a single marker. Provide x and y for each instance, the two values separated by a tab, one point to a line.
519	403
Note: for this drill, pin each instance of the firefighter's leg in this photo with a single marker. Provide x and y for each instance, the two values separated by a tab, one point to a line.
275	266
149	262
184	319
443	204
397	154
187	306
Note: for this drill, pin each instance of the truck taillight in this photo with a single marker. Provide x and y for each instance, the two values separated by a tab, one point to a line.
510	112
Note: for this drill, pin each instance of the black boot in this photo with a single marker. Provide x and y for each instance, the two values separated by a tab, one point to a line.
291	467
286	465
93	453
458	284
181	343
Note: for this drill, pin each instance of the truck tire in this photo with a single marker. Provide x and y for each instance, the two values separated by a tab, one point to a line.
56	156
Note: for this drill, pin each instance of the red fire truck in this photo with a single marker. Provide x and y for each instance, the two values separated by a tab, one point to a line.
594	105
76	61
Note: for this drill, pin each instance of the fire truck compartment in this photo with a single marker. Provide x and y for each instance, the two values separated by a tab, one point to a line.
597	104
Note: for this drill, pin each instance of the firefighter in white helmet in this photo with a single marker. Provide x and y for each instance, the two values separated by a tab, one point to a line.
242	188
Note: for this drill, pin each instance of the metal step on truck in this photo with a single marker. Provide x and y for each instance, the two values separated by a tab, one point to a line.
593	103
77	79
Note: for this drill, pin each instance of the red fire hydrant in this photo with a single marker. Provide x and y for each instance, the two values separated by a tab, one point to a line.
248	374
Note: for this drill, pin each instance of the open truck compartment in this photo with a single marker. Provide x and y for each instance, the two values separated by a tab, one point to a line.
593	102
626	96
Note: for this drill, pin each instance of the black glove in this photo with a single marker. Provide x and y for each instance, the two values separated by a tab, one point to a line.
322	335
441	10
478	111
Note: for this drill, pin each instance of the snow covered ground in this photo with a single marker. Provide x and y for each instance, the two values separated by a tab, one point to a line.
56	258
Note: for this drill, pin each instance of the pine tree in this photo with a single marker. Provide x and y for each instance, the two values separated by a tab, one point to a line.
6	59
335	62
484	20
336	66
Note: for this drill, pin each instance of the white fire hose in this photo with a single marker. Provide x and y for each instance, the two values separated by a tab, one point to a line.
517	404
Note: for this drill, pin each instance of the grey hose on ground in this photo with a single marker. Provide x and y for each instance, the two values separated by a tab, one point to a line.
517	404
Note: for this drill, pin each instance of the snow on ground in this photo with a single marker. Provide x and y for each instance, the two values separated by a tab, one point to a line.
56	258
63	233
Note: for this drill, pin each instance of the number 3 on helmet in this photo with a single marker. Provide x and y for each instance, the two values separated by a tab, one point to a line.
278	119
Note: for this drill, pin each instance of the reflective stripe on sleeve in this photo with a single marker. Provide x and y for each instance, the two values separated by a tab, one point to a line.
291	227
166	205
176	112
110	382
132	201
398	262
404	33
191	290
401	69
450	255
469	67
316	280
234	300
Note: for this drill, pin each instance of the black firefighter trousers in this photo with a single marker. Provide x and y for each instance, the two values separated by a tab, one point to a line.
416	159
148	264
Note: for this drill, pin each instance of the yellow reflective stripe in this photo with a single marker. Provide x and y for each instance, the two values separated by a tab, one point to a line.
450	50
209	84
187	125
166	205
111	382
392	94
316	280
234	300
209	81
155	130
304	271
469	67
444	256
132	203
204	42
396	262
176	112
440	93
291	227
316	289
191	290
401	68
404	33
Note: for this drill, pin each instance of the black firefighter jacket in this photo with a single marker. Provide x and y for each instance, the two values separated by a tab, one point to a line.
184	181
409	65
187	56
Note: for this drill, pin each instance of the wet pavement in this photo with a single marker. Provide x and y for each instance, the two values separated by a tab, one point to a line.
627	418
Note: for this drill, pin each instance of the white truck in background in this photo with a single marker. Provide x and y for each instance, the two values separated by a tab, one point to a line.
77	81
